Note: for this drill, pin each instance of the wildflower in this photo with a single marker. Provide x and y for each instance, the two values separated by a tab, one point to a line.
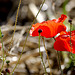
49	28
62	42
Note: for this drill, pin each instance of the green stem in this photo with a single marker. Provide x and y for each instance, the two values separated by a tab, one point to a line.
7	73
59	62
15	24
70	40
2	49
72	55
41	56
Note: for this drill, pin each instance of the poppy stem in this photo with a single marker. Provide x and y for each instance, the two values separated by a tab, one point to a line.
3	51
47	55
41	56
59	62
72	58
15	25
13	36
70	37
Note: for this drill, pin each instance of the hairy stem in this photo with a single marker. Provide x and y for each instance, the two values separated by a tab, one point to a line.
59	62
41	56
47	55
70	39
72	55
15	24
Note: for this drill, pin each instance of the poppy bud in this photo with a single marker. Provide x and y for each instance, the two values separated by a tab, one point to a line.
70	21
8	62
7	70
39	30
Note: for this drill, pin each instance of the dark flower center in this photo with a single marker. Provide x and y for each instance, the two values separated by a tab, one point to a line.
39	30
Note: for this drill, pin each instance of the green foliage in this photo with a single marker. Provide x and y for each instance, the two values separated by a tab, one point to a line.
64	10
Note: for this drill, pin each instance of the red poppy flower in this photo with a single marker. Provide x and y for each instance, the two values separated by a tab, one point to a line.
62	42
49	28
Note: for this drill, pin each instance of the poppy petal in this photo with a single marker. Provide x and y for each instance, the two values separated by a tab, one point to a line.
49	28
45	31
61	19
62	42
61	45
61	27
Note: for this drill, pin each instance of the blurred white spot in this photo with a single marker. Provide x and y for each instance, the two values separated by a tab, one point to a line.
67	6
31	32
48	70
14	58
62	66
44	7
66	60
70	5
34	10
57	35
67	28
69	73
42	49
32	28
